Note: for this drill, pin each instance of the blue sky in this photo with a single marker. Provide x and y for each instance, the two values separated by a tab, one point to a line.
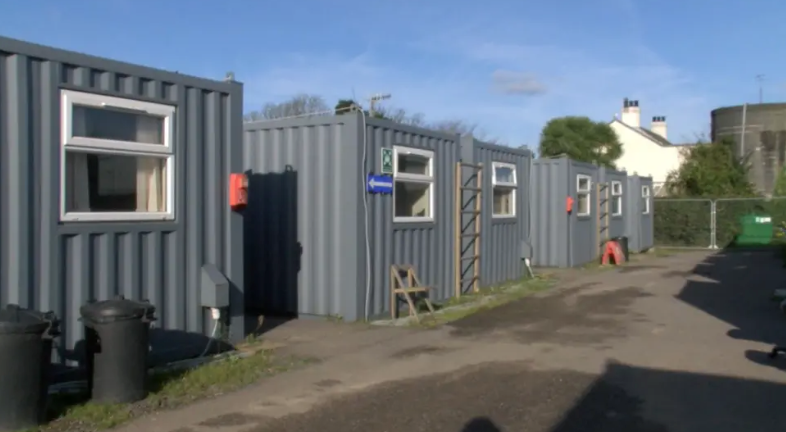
506	65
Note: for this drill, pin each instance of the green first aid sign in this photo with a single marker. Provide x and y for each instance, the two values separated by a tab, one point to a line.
386	161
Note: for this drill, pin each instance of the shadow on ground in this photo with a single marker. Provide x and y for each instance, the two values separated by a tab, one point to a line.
511	397
736	287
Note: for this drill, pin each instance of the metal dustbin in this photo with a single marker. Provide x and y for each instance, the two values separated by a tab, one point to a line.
117	340
623	242
25	358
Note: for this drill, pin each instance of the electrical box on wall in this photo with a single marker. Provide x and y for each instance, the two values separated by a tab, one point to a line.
214	287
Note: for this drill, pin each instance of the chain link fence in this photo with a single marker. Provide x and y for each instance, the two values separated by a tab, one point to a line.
681	223
711	224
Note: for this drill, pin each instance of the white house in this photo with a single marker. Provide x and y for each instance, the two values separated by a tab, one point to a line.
646	152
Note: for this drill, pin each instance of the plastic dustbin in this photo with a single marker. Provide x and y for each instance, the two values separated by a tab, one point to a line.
25	357
117	340
623	242
756	229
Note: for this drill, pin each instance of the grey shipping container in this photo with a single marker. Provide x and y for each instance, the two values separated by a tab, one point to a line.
317	242
77	225
504	214
615	190
562	238
639	214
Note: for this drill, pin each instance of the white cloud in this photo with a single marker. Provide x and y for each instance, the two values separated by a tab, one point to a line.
451	74
516	83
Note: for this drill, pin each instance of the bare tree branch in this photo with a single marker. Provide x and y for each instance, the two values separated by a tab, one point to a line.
400	115
301	104
462	127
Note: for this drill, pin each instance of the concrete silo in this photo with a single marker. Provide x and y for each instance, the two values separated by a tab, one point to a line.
759	132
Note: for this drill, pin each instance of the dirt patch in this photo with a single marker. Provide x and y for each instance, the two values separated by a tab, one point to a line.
639	268
327	383
567	317
418	350
233	420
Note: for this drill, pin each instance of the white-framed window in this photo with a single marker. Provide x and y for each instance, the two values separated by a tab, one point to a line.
616	198
117	159
646	194
413	185
504	184
583	194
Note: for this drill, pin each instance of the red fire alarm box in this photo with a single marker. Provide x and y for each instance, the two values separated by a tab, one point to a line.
238	191
569	204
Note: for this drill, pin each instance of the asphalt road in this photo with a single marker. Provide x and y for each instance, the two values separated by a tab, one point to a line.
609	323
668	345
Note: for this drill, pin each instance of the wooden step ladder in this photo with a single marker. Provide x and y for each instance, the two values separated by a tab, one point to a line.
404	282
602	205
470	206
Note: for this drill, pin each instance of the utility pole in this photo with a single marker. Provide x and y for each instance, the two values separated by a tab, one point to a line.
760	80
374	99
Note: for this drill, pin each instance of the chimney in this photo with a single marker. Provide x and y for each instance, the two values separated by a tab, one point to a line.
631	115
659	126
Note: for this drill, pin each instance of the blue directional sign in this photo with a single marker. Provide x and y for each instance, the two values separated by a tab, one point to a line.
379	184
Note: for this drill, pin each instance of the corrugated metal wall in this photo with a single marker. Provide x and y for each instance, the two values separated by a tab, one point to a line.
583	230
48	265
616	223
305	230
427	246
301	225
647	222
639	225
550	220
500	237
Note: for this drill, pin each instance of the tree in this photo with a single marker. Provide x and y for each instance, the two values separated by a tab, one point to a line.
301	104
711	170
582	139
344	106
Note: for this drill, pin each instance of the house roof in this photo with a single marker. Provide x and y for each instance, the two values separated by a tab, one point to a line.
646	133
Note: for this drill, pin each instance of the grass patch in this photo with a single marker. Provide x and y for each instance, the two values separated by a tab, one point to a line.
167	390
457	308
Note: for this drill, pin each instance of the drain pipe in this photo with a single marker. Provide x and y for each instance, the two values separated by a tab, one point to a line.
742	134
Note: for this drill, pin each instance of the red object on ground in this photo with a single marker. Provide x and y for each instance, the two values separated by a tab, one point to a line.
613	250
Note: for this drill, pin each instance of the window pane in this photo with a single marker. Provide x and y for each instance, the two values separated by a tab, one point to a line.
583	183
412	163
114	183
616	206
503	201
110	124
616	188
412	199
504	174
583	204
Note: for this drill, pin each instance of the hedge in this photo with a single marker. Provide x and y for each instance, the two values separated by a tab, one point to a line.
688	222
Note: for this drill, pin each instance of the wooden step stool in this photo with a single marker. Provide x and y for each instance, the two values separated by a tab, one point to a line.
398	274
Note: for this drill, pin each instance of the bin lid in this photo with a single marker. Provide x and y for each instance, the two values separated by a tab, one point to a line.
18	320
116	309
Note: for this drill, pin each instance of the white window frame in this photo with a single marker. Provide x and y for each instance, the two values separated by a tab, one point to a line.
646	195
69	98
414	178
616	195
513	186
587	192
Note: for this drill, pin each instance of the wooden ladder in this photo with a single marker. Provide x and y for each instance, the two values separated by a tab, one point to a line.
602	205
470	230
404	282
